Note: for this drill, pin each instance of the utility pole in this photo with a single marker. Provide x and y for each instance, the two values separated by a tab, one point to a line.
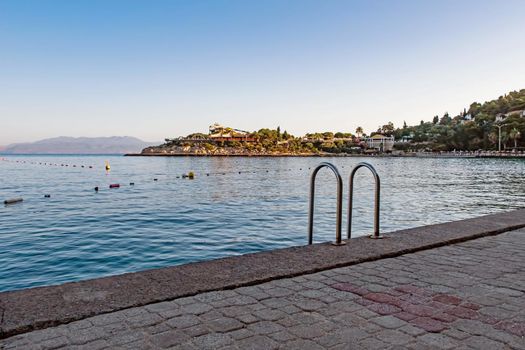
499	137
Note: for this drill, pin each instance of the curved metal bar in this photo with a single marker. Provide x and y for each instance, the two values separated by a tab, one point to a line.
338	238
377	199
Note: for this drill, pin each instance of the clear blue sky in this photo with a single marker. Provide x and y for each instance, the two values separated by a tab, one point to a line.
156	69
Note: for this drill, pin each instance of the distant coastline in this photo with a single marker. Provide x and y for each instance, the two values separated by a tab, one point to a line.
78	145
330	155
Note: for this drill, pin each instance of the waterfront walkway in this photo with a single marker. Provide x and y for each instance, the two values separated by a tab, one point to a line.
468	295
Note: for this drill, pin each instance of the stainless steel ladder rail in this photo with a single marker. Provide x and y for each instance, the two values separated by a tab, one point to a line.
377	199
338	238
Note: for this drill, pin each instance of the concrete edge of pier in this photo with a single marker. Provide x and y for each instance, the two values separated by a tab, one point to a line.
36	308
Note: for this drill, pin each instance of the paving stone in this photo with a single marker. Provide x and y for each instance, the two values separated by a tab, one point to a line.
276	303
342	336
257	343
281	337
144	320
87	335
496	312
54	343
517	328
197	308
372	344
185	346
279	292
306	331
224	324
311	294
440	341
197	330
483	343
393	337
309	305
389	322
301	344
411	330
122	338
241	334
158	328
169	338
307	318
290	309
456	334
248	318
313	284
465	296
94	345
183	321
429	324
269	314
212	341
265	327
472	327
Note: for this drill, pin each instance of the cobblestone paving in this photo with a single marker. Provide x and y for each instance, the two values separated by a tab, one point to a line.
464	296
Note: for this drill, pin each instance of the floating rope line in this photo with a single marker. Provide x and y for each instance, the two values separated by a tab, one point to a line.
189	175
47	163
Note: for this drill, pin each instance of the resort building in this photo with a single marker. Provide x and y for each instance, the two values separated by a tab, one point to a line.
406	139
380	142
501	116
219	133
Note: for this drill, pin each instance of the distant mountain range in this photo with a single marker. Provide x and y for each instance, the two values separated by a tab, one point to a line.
79	145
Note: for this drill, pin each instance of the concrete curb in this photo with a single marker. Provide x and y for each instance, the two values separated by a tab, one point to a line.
36	308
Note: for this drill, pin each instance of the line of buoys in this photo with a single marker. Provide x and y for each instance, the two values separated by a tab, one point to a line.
13	201
185	175
48	163
190	175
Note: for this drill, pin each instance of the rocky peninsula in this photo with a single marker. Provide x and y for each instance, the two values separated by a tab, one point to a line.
225	141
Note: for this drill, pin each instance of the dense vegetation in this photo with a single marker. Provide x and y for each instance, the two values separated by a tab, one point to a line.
470	130
271	141
473	129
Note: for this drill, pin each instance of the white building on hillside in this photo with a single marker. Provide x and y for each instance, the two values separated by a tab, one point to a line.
380	142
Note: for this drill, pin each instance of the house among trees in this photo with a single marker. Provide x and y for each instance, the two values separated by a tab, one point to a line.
380	142
219	133
500	117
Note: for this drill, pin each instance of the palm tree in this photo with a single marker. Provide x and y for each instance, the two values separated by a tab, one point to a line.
515	134
359	131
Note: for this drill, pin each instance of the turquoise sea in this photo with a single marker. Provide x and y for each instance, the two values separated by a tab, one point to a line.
244	205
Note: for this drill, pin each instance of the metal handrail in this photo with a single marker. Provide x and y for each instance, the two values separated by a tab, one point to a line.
338	238
377	199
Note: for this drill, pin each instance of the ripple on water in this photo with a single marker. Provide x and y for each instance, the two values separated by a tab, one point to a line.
79	234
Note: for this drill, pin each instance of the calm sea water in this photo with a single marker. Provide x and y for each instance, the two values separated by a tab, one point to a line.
79	234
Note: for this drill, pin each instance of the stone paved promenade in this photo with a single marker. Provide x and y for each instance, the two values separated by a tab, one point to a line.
465	296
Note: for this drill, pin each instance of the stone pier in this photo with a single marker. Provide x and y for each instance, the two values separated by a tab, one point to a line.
458	285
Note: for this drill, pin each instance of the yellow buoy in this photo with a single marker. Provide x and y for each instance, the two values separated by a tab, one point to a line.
108	167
